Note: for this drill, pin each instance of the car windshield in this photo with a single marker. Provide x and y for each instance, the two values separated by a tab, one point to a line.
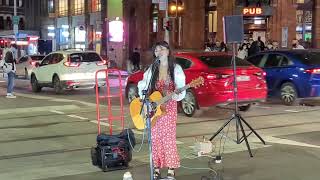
222	61
311	58
37	58
85	57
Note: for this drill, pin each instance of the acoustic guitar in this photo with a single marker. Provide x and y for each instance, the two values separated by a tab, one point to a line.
156	99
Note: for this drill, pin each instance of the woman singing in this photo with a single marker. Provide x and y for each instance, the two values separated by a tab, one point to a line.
168	77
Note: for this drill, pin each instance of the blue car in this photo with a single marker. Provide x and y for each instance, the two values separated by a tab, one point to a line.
290	74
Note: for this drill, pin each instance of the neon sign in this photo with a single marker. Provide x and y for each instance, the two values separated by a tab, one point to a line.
252	11
116	31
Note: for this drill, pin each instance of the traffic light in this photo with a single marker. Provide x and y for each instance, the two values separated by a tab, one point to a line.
167	24
175	8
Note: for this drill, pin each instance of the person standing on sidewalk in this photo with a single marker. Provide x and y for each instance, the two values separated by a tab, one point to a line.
136	60
168	77
8	65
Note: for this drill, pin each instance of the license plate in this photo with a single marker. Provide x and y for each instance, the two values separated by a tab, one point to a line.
243	78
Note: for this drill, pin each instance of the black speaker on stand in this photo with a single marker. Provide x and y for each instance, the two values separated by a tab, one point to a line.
233	34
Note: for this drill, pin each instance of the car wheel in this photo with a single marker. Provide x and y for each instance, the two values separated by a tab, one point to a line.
57	85
189	104
132	92
94	158
244	107
34	84
25	73
288	94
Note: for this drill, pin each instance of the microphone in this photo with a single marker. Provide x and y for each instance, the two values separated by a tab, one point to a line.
156	60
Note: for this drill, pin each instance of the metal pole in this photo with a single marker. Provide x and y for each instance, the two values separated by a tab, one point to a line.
14	15
105	27
166	33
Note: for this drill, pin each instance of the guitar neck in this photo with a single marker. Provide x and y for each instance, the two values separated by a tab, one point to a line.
169	96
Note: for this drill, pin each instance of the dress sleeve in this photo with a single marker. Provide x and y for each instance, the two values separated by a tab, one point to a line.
180	81
143	84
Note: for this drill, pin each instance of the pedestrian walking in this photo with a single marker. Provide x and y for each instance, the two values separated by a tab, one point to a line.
8	64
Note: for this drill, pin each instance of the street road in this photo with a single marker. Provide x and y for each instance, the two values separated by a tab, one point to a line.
47	136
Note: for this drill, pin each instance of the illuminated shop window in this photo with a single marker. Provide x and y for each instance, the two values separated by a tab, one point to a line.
63	7
96	5
78	7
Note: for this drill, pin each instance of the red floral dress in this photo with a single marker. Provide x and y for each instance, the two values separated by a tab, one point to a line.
164	148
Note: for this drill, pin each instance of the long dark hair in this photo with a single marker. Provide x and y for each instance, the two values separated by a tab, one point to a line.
155	69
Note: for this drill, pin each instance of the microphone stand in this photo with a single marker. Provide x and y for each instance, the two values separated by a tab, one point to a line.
146	102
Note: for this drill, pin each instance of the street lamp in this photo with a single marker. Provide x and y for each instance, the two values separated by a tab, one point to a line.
175	8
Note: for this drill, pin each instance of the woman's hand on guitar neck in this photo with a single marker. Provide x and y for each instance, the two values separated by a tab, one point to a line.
177	91
163	108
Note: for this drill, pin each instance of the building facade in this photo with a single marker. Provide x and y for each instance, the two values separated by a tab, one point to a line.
316	24
72	23
199	22
84	24
27	33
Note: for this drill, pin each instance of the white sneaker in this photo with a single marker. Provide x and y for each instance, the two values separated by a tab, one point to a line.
9	95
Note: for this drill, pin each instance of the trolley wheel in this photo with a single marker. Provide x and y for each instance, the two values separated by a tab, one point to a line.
103	161
94	158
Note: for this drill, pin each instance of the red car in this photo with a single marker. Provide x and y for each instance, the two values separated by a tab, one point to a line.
218	88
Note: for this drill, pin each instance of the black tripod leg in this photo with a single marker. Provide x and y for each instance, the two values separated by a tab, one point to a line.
223	126
237	128
252	130
245	137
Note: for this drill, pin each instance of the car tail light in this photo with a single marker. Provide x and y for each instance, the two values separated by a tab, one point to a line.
263	74
71	64
218	76
33	63
101	63
313	71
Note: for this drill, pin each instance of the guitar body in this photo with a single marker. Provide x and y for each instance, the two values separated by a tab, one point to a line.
138	119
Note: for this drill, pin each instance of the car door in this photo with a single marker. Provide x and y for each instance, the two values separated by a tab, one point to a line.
285	70
273	69
54	65
42	71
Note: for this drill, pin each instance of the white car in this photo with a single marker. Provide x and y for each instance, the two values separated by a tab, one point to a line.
26	64
69	69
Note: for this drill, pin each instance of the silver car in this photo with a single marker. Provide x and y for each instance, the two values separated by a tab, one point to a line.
26	63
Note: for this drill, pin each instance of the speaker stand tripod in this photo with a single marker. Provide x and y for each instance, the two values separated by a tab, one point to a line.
239	120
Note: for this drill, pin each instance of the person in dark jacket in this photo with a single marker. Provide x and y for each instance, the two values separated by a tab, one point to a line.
254	48
261	44
135	59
